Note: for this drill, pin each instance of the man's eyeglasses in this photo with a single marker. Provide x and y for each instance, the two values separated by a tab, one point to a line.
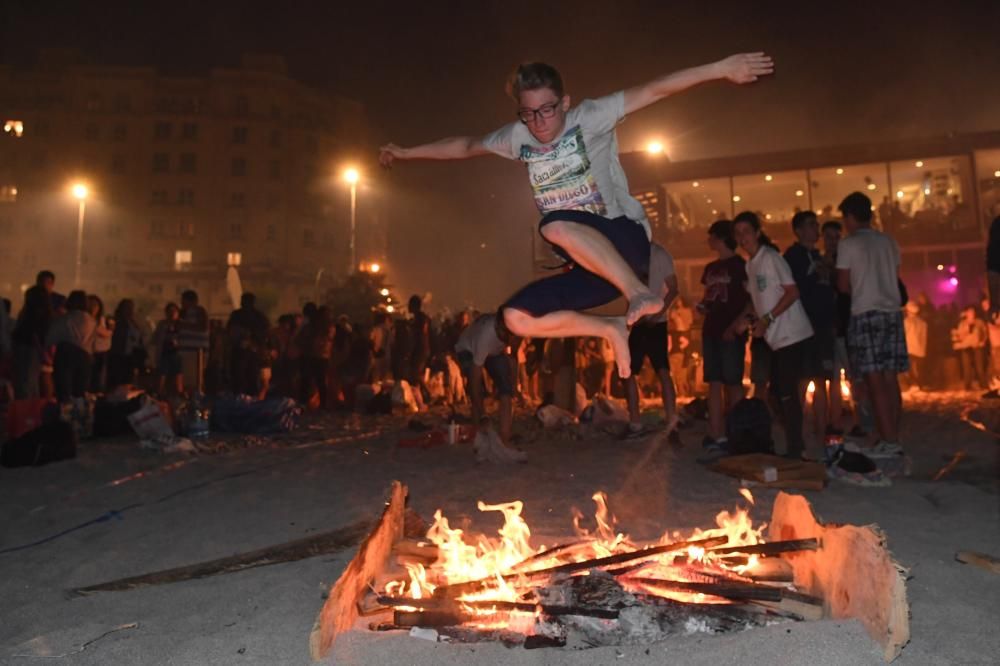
544	111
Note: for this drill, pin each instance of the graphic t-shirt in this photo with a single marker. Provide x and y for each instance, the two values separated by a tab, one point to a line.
725	296
579	170
767	272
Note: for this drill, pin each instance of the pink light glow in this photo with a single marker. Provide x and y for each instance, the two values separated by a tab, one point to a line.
953	281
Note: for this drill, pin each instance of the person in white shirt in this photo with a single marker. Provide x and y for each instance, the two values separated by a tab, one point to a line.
480	348
868	269
781	321
648	338
589	216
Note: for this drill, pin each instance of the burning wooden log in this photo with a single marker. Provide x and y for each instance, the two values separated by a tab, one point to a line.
737	591
773	548
448	606
458	589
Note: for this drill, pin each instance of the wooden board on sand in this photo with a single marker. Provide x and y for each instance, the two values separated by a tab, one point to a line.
784	473
340	611
852	571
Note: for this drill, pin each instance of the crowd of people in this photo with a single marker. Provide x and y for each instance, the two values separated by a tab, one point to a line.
829	307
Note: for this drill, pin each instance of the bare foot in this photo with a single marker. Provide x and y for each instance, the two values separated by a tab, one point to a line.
618	337
642	304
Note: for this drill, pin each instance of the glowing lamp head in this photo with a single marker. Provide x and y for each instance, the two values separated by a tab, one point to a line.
375	268
80	191
384	292
390	309
351	175
655	148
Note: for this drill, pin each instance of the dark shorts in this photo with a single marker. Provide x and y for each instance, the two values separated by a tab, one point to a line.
579	289
498	367
170	364
648	340
818	355
724	360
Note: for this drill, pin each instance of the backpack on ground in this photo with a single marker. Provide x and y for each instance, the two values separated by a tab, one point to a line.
748	427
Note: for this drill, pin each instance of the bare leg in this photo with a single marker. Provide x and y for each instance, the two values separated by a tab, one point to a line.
836	404
506	418
593	251
632	397
669	396
881	394
566	323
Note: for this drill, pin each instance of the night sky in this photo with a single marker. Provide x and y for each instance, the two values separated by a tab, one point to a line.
846	73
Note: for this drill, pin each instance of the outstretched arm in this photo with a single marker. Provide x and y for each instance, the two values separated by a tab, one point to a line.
452	148
739	68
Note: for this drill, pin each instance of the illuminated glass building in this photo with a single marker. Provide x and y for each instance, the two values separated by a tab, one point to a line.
936	197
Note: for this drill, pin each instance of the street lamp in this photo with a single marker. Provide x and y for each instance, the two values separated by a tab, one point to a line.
352	176
80	191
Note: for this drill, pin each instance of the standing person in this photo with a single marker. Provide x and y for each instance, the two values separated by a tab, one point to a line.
193	340
317	351
589	217
166	343
128	353
648	339
969	339
480	348
993	265
72	334
420	348
832	233
102	342
247	329
993	332
381	337
781	321
723	335
813	279
915	328
868	269
28	342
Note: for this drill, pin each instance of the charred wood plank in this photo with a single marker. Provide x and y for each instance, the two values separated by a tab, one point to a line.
320	544
544	555
772	548
724	590
458	589
456	607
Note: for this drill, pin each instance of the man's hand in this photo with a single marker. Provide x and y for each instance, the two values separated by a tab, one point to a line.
745	67
760	327
389	153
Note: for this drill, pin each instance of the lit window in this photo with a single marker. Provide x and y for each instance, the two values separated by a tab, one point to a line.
234	258
182	258
8	193
14	128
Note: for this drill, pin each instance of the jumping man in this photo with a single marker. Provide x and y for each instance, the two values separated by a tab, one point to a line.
589	217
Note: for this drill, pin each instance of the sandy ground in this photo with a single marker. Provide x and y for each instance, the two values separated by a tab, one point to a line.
218	505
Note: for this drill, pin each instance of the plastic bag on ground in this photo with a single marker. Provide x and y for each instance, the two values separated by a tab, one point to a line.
244	414
402	395
154	431
490	448
607	410
554	417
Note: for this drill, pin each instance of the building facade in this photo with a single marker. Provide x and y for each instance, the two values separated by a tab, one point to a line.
937	197
186	177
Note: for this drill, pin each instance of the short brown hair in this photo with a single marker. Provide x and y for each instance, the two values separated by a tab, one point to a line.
534	76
